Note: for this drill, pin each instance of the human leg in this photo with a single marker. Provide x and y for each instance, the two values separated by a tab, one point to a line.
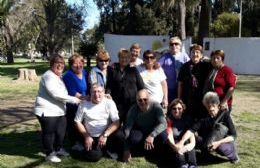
228	150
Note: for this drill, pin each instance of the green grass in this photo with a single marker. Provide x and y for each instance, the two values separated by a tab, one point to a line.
20	143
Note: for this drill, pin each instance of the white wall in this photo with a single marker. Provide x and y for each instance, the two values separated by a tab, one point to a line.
242	54
114	42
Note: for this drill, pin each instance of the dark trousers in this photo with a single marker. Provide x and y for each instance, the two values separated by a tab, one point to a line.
136	142
53	132
178	160
73	133
114	144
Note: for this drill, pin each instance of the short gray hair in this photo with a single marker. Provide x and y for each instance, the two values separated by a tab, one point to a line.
210	98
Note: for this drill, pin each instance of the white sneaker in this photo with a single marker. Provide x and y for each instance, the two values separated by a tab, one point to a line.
53	158
77	147
62	152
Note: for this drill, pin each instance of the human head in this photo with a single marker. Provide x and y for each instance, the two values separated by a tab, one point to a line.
102	59
135	50
217	58
57	64
143	100
97	93
123	57
196	53
149	58
177	108
175	45
211	102
76	63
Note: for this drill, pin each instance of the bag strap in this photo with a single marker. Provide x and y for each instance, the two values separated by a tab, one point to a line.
219	117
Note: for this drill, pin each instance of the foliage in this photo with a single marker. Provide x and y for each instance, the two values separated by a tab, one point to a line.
226	25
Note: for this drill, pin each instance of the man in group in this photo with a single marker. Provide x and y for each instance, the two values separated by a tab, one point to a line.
145	126
171	63
135	51
97	120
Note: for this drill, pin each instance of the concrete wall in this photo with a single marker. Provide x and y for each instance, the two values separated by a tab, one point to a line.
242	54
114	42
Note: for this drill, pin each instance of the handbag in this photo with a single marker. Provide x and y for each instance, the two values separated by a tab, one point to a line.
218	132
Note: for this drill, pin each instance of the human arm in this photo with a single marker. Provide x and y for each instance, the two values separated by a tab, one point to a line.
111	128
214	145
165	94
180	88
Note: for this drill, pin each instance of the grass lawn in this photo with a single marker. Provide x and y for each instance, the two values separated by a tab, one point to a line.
20	144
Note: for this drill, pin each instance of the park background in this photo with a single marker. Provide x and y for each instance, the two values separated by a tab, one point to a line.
31	30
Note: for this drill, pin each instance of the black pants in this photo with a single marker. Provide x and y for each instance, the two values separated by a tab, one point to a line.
73	133
53	132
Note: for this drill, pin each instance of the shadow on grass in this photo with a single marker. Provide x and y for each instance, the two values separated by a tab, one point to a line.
26	144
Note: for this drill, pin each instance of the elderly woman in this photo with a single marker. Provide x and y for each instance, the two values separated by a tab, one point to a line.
99	73
221	80
123	83
208	139
178	124
50	109
76	83
154	78
191	81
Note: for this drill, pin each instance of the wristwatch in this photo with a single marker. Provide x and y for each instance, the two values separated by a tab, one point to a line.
105	135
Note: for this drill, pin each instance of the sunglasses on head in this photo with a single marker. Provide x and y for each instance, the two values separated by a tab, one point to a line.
103	60
147	57
142	100
174	44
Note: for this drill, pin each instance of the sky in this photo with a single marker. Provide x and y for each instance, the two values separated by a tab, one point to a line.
92	15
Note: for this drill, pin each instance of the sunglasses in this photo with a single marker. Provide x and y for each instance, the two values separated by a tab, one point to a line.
142	100
103	60
174	44
175	108
147	57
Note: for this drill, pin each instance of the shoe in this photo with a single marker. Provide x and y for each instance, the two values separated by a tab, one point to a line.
236	160
62	152
184	166
113	156
192	166
77	147
53	158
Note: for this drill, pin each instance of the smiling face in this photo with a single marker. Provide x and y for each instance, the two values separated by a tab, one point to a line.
142	99
77	65
135	52
97	94
216	61
58	66
124	57
177	111
149	60
196	56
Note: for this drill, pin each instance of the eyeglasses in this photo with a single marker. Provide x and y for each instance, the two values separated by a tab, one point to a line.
147	57
176	108
174	44
103	60
142	100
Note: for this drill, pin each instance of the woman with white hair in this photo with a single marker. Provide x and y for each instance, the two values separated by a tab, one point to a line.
216	132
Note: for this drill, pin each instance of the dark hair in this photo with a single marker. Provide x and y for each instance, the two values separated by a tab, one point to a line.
177	101
54	58
147	52
220	53
75	56
102	55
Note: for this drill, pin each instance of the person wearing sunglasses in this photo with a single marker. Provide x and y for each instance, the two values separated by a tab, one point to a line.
177	124
171	63
98	74
154	78
145	127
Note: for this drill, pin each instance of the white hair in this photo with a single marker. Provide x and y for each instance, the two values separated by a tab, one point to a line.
210	97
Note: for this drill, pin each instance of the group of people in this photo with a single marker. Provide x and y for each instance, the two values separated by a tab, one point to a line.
164	108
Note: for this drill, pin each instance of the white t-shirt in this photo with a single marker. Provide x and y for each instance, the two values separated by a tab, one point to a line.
97	117
137	62
153	82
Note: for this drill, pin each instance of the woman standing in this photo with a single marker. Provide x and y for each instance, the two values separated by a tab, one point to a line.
50	109
98	74
76	83
123	83
154	78
221	80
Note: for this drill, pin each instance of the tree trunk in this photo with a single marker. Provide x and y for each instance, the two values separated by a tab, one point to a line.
25	74
10	56
182	19
204	21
